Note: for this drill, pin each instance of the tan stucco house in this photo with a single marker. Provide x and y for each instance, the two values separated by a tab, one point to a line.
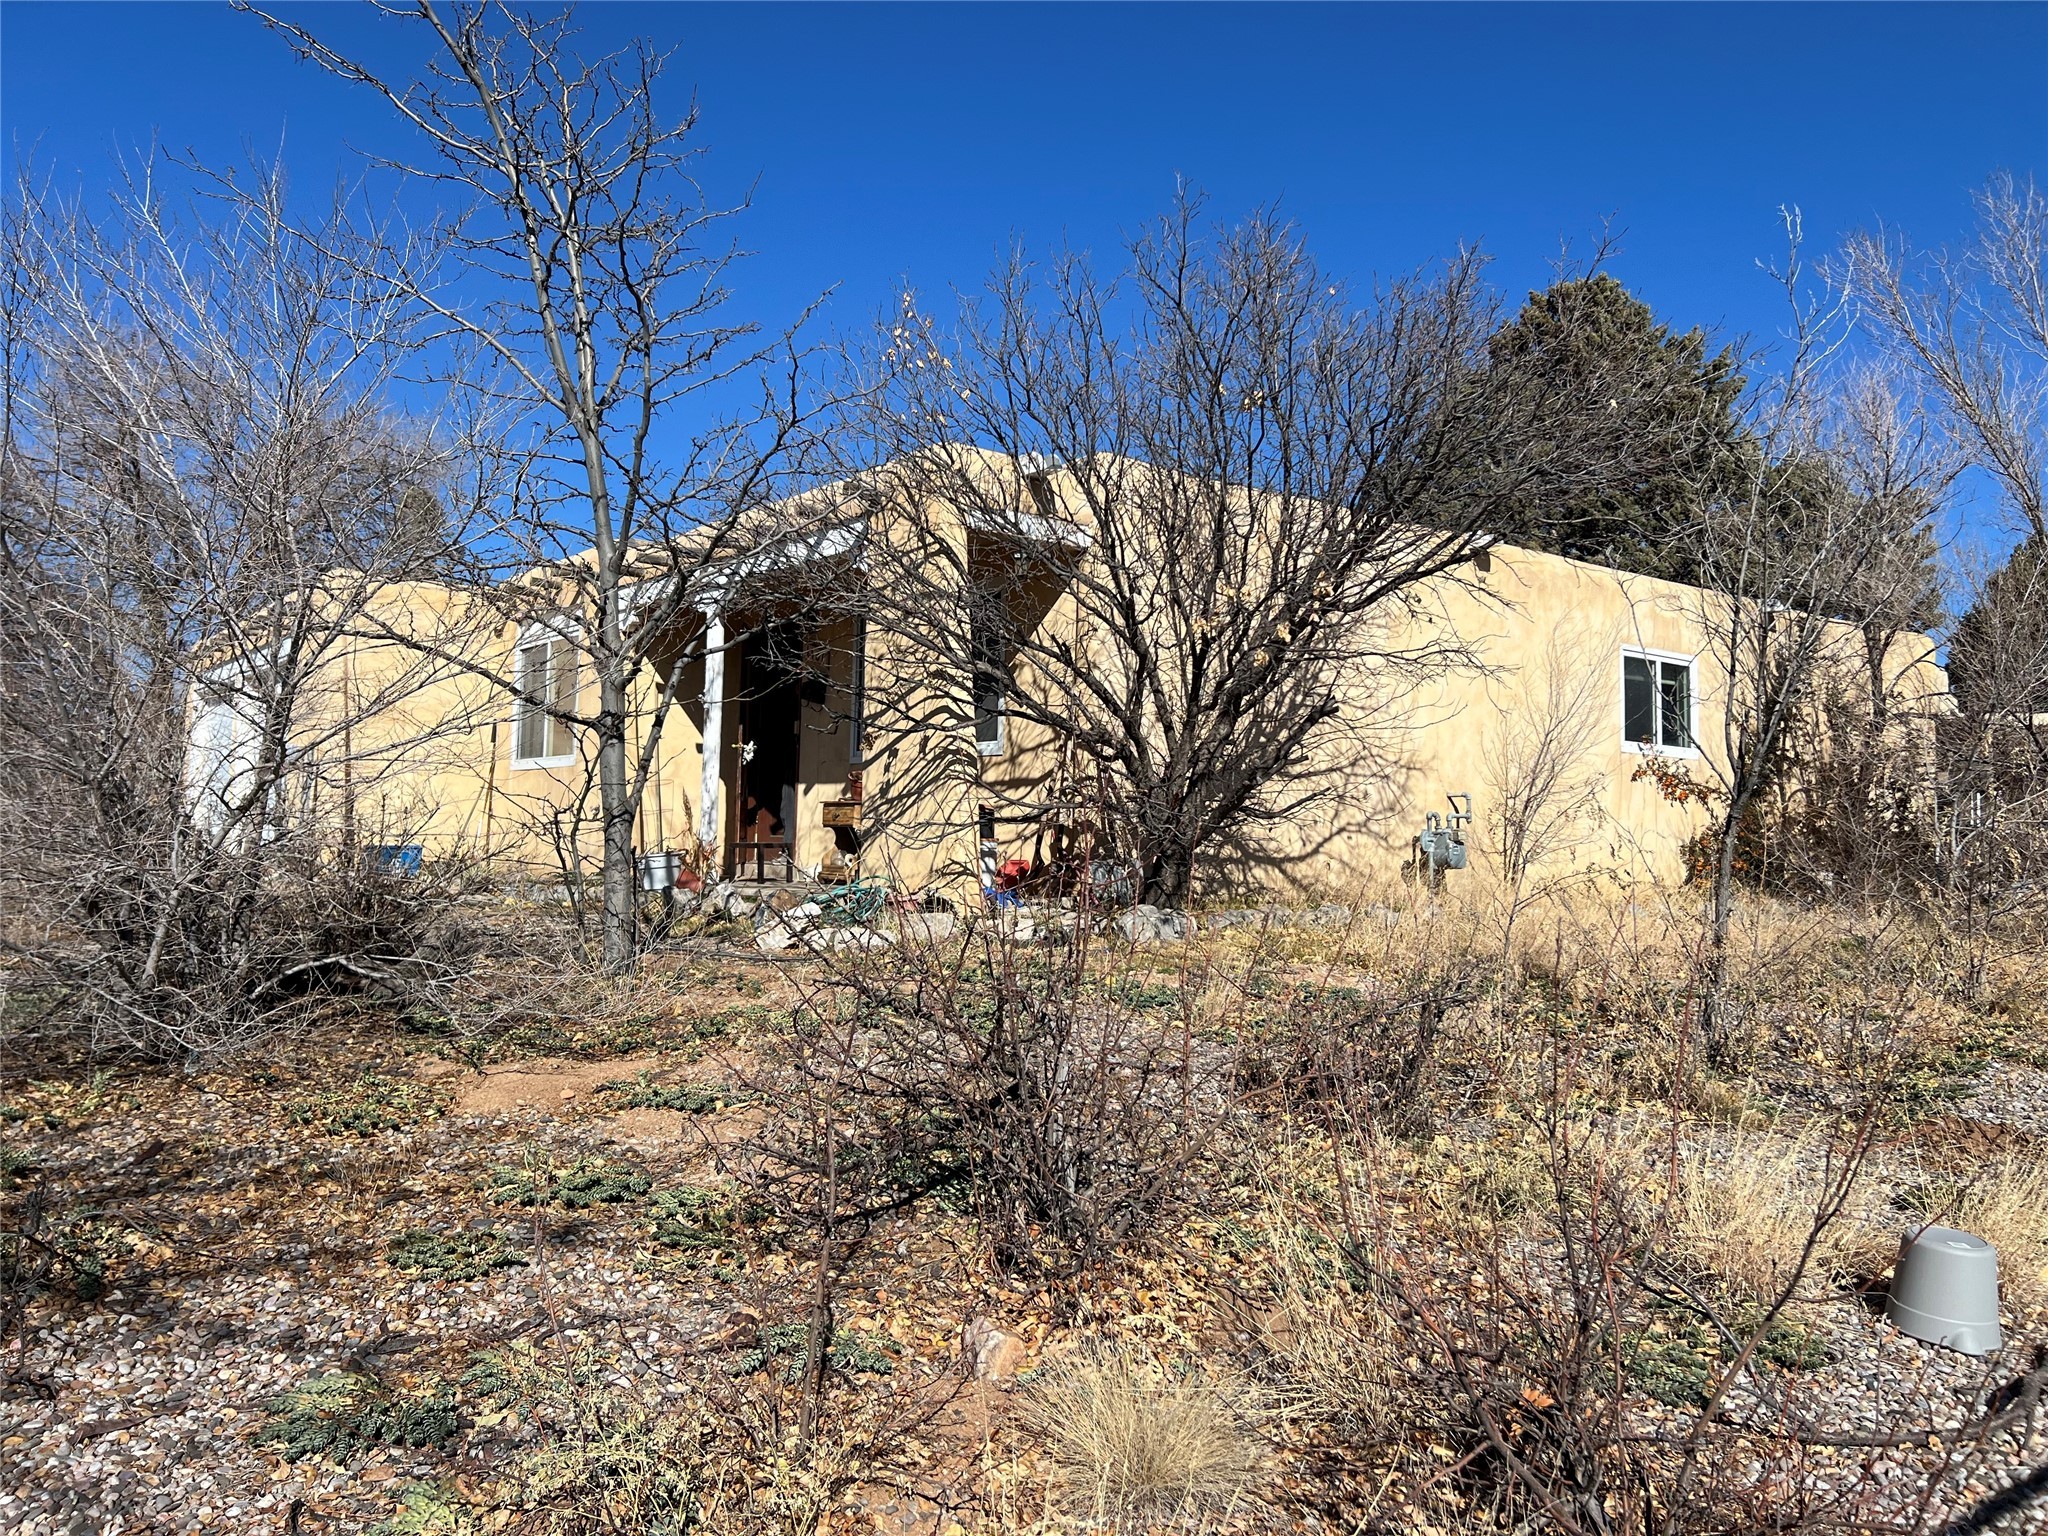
797	740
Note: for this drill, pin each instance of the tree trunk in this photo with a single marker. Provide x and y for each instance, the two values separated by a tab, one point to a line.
1713	1016
1168	872
615	799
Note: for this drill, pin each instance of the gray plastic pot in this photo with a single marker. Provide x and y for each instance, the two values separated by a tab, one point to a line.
1945	1291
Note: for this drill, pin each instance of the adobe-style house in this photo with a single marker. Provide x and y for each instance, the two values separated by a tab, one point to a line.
798	741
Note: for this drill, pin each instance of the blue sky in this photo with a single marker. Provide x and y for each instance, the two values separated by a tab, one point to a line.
887	143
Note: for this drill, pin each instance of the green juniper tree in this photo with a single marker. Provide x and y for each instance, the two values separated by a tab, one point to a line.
1619	495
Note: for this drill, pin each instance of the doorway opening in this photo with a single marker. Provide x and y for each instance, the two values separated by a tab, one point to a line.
770	752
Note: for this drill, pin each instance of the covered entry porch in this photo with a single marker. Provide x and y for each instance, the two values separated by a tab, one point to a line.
765	669
780	795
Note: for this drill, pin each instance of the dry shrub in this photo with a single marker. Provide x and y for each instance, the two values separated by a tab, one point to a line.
612	1457
1138	1441
1486	1182
1735	1104
2007	1206
1069	1111
1748	1206
621	1468
1338	1363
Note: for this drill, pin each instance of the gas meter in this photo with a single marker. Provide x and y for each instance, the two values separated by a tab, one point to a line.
1441	844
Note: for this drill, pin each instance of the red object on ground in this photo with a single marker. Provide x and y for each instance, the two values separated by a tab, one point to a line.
1010	872
690	880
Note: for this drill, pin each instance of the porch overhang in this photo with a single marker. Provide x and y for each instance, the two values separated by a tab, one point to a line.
719	587
1031	528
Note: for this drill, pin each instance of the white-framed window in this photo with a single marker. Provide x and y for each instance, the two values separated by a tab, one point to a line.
990	683
1658	701
546	674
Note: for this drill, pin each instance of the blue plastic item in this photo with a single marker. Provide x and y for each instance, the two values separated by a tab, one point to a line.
396	858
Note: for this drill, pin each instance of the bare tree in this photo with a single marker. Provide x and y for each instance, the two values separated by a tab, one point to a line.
1793	560
205	487
1546	793
1995	749
1231	479
589	264
1974	325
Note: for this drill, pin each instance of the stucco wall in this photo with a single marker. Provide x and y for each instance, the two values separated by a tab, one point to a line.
1545	637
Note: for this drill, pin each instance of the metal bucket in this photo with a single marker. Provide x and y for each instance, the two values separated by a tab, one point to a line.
1945	1291
658	871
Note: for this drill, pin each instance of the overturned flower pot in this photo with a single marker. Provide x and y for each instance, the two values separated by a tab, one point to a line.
1945	1291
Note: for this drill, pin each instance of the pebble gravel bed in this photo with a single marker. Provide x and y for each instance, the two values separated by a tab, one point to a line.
2011	1094
134	1413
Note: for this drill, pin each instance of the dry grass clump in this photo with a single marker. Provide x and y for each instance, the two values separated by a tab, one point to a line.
1333	1359
1337	1362
621	1468
2007	1206
1733	1104
1748	1204
1482	1183
1137	1441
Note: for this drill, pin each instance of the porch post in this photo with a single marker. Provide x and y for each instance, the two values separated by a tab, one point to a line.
714	724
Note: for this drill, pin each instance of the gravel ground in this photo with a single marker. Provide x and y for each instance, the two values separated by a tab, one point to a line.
255	1260
258	1263
2011	1094
147	1427
133	1414
1883	1379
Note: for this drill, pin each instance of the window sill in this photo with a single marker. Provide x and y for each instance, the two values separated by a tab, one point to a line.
1644	749
543	762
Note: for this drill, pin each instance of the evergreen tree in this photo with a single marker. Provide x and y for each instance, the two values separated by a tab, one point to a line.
1998	652
1671	434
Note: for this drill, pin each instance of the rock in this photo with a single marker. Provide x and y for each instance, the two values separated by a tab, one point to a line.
1055	929
989	1353
1245	917
1147	924
826	940
724	900
1277	1329
927	927
740	1330
1330	915
1036	925
775	931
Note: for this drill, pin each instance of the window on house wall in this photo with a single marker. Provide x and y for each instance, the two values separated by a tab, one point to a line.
856	736
1656	703
547	682
991	675
225	746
